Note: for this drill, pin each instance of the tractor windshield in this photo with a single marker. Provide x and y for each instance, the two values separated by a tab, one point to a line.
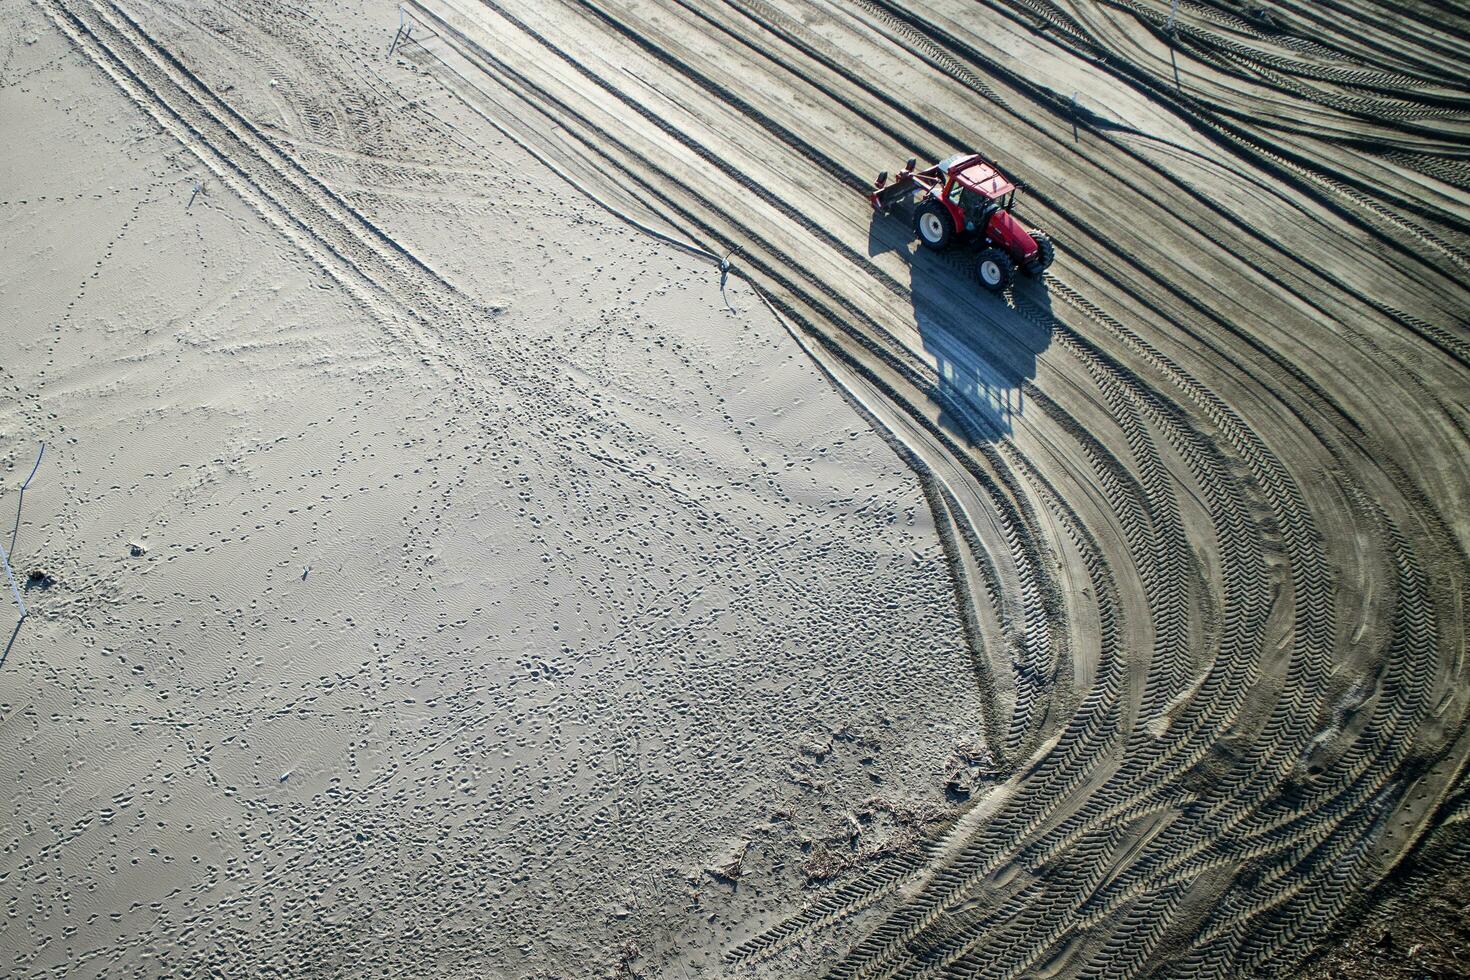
971	202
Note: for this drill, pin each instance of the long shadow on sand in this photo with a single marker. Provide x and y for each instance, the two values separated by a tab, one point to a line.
984	350
5	655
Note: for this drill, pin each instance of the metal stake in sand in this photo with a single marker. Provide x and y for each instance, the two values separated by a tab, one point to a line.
397	34
1173	33
21	503
725	275
10	577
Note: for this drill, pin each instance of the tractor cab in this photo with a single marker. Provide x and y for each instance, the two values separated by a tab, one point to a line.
976	187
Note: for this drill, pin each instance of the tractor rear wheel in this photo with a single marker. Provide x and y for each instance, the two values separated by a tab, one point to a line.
934	226
1046	254
994	269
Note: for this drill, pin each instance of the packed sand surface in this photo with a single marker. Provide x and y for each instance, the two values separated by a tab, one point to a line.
511	508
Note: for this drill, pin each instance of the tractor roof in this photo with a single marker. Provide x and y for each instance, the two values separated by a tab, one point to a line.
973	171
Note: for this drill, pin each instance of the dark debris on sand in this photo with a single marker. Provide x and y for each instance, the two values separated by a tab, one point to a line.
1422	935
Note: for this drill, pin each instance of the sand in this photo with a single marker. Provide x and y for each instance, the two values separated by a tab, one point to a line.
510	508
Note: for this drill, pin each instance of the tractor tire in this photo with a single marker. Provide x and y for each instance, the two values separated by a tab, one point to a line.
995	269
1046	254
934	226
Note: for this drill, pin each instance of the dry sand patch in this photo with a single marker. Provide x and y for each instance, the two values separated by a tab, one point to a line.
412	672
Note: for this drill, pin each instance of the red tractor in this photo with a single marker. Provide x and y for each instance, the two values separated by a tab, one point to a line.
966	197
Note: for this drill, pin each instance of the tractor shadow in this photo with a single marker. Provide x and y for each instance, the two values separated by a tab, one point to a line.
983	349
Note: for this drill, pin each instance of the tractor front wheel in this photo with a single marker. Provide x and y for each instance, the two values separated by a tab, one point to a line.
1046	254
934	225
995	269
